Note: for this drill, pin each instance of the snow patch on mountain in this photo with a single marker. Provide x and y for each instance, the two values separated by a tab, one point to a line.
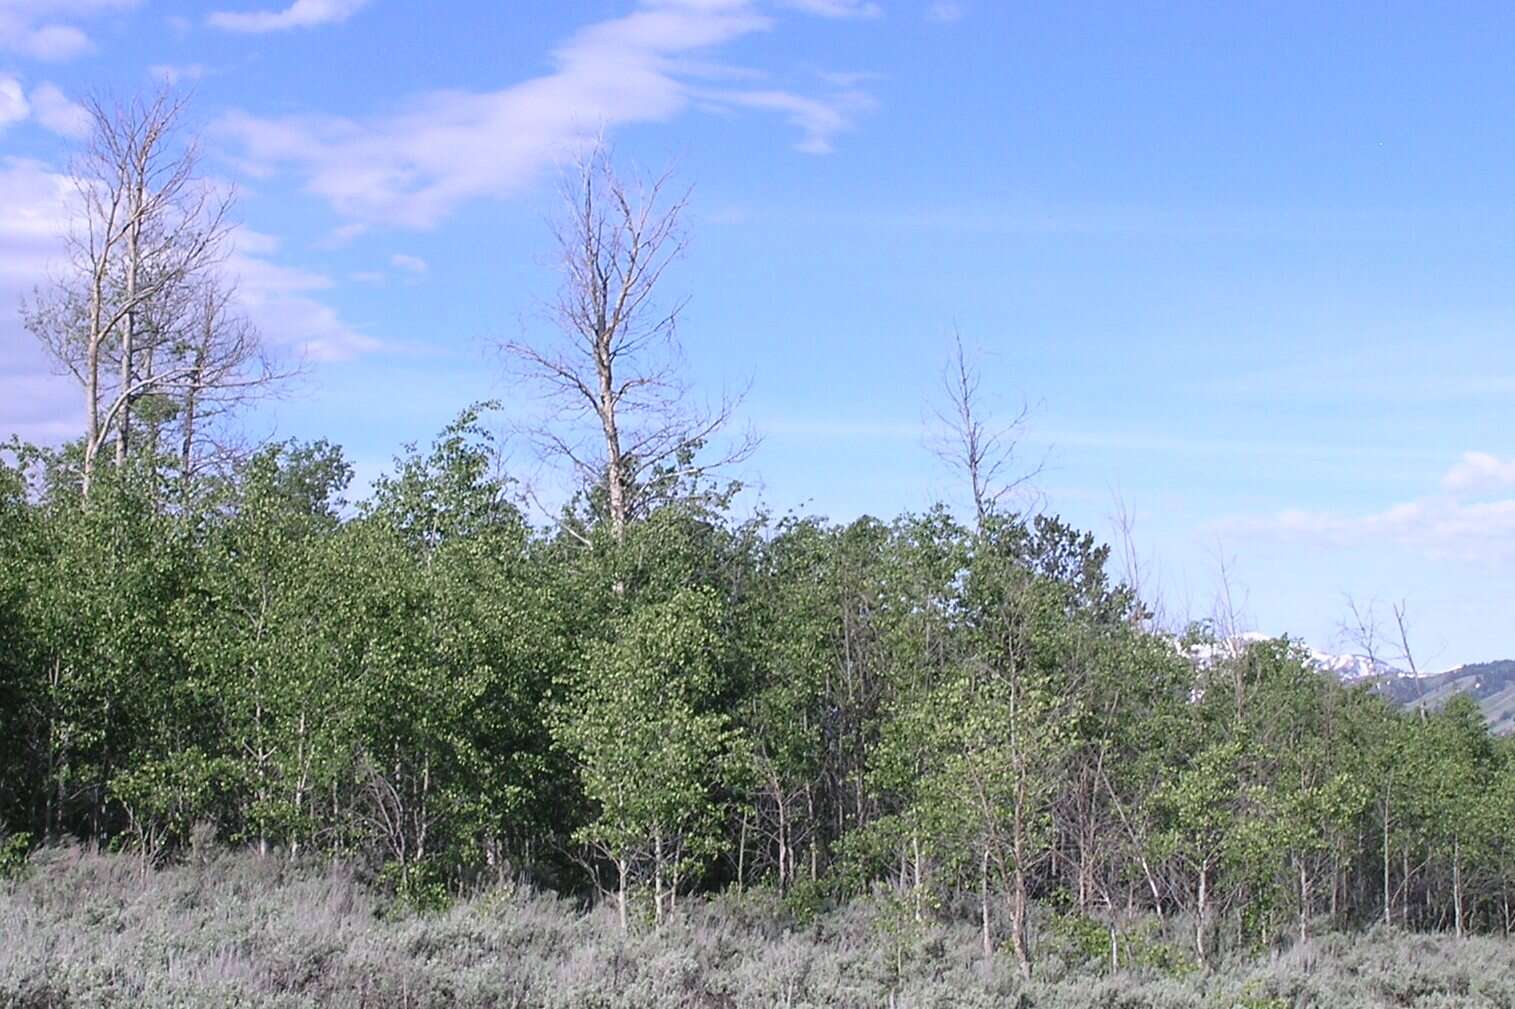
1348	668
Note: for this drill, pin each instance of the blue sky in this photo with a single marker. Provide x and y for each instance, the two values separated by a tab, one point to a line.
1249	264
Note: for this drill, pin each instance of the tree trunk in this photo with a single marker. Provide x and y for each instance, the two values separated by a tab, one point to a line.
1404	893
1304	900
741	855
129	334
621	890
1018	913
1457	886
784	859
615	463
1202	918
657	880
1388	898
983	904
92	382
915	871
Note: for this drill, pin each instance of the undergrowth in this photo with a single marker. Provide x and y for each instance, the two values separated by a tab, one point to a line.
79	929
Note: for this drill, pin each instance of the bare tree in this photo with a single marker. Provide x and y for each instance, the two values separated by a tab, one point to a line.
982	450
1138	571
148	234
1360	630
226	366
620	409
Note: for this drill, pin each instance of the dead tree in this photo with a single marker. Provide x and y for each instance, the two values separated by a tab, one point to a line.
225	366
983	451
620	411
146	227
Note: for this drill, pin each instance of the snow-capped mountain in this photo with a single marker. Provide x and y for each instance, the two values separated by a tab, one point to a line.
1350	668
1491	684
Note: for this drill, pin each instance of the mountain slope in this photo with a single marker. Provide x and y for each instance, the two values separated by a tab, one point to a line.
1491	684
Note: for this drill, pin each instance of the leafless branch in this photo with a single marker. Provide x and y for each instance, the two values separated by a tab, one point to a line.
141	312
618	411
984	452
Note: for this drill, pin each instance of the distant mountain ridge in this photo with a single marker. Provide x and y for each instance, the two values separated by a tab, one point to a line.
1491	684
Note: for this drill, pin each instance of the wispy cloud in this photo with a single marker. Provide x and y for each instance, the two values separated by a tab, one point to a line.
413	265
281	301
1462	523
34	403
300	14
945	12
818	119
46	29
57	112
1477	471
177	73
34	217
443	148
837	8
14	107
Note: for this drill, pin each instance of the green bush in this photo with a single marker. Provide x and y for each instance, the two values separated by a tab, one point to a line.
13	851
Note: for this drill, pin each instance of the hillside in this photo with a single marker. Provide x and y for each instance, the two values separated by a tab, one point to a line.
1492	684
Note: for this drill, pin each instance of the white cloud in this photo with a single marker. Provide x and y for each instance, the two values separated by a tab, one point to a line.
41	30
175	73
410	264
55	111
945	12
300	14
34	217
49	106
818	119
280	300
413	167
257	243
34	403
14	107
1459	524
1478	471
837	8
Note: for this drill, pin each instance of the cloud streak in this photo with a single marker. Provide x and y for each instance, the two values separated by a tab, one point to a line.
413	167
837	8
1463	523
300	14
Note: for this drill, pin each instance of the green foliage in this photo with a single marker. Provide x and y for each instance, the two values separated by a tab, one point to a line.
13	852
165	798
1081	939
651	750
960	724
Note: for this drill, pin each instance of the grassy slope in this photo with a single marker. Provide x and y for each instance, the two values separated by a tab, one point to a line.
88	930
